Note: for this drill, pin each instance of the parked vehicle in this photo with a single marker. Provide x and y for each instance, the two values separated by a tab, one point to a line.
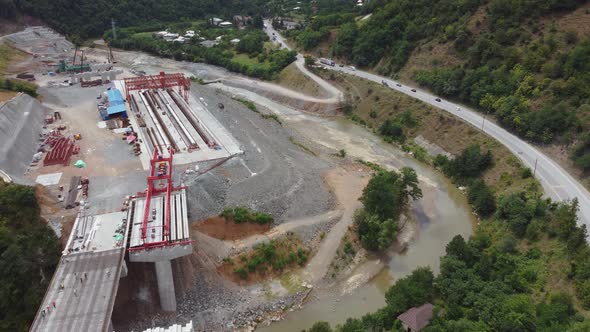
398	84
413	90
352	68
437	99
220	105
328	62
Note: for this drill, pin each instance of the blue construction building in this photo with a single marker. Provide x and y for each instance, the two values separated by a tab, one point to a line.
116	105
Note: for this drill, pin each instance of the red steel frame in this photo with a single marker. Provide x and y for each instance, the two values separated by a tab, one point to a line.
160	81
153	190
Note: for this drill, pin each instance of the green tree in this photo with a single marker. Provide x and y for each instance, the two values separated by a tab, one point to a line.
320	327
413	290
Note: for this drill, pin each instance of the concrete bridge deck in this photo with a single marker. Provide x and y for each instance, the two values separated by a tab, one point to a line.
85	303
83	289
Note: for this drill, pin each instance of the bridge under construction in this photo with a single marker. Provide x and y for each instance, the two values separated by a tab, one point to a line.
154	228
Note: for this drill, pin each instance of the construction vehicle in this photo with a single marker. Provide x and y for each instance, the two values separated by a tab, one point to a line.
328	62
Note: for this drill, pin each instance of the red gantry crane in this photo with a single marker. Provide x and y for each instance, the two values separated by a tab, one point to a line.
159	182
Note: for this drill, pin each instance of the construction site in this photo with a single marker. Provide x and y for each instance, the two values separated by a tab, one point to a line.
131	162
136	163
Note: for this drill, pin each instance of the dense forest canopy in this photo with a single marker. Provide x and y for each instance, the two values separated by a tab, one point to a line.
90	18
29	252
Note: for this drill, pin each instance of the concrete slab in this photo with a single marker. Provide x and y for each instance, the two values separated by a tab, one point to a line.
97	233
49	179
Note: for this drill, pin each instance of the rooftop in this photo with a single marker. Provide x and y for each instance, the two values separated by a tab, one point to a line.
417	318
115	97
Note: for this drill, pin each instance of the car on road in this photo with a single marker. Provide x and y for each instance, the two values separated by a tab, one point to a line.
99	96
220	105
398	84
458	108
352	68
437	99
384	83
413	90
340	65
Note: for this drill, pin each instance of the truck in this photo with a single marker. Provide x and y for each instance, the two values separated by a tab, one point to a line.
328	62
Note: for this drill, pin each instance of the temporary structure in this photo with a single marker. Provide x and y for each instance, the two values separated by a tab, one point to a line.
80	164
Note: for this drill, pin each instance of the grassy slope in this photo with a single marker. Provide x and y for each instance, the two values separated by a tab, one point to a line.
7	55
292	78
450	133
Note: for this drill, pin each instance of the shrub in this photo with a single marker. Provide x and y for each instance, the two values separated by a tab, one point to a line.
243	214
241	272
482	198
392	130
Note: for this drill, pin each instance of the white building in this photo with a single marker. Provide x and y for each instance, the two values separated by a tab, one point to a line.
216	21
179	40
225	24
234	41
189	33
161	34
170	36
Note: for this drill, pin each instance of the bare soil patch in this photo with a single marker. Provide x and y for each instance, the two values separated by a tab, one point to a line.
7	95
220	228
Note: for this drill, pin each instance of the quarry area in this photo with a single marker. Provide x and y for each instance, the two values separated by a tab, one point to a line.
135	163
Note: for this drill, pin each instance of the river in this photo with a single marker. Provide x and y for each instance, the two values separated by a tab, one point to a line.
441	214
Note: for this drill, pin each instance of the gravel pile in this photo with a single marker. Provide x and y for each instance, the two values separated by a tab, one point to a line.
273	175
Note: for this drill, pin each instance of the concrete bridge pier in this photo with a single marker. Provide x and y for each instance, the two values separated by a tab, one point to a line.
165	285
162	257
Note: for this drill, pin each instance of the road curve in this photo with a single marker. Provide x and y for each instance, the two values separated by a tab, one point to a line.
558	184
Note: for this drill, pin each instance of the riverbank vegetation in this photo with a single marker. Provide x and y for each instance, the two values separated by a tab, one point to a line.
29	252
385	197
525	269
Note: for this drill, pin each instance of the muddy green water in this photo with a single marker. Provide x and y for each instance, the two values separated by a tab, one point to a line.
441	215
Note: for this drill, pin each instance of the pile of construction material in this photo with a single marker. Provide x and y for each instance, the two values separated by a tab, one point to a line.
62	149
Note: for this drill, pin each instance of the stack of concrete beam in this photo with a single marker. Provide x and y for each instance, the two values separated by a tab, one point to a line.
174	328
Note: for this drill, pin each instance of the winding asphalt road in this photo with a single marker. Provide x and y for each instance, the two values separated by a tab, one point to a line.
558	184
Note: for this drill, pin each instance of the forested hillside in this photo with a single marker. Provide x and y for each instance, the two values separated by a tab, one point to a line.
526	62
29	252
89	18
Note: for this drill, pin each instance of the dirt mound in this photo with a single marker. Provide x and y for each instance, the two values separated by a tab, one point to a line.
223	229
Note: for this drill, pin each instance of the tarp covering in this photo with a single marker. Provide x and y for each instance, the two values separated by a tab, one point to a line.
80	164
115	97
111	110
